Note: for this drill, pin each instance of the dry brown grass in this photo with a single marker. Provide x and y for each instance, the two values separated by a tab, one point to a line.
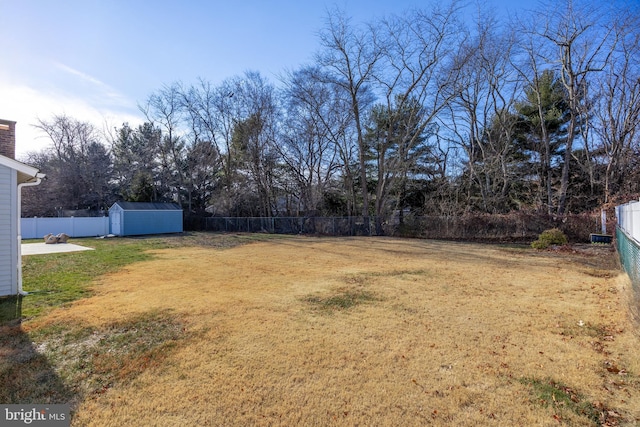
369	331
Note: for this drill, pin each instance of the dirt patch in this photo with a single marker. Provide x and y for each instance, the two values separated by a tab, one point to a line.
419	331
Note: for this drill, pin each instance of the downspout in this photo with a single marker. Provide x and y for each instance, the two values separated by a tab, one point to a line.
38	179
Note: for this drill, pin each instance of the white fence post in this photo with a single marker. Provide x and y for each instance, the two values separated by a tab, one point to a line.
635	220
628	216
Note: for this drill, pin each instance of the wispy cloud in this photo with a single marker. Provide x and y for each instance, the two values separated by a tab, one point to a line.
100	91
80	74
26	105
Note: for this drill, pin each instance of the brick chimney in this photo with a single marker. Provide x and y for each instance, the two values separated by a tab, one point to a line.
8	138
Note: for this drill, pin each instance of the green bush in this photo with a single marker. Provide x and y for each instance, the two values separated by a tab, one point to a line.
550	237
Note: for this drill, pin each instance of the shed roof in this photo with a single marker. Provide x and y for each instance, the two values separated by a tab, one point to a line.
147	206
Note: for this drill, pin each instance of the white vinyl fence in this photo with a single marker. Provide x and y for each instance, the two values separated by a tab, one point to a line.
628	216
37	228
628	245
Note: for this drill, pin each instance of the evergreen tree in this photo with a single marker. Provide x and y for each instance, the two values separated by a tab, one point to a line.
135	156
396	152
542	132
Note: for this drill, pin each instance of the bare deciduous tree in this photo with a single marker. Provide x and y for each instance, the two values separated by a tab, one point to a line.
413	77
78	167
579	45
164	109
349	57
617	113
254	138
314	123
480	118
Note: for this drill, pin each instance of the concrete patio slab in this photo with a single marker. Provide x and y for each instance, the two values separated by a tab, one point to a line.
43	248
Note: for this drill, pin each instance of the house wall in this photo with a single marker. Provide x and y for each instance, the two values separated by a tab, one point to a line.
8	232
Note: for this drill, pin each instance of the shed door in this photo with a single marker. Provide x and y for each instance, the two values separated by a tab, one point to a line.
115	223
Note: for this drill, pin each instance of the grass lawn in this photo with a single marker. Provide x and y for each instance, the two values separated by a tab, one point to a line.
209	329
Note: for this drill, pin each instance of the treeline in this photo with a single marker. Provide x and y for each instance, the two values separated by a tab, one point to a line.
423	113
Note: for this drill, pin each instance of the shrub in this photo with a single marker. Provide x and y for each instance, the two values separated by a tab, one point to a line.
550	237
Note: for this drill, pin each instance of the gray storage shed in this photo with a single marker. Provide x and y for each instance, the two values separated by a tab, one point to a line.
138	218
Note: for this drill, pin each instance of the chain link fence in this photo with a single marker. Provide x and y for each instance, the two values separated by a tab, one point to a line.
629	252
327	226
517	227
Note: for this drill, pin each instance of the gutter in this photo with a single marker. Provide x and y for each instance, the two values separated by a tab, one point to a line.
36	181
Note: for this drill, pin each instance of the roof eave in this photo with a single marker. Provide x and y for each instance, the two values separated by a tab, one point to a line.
26	173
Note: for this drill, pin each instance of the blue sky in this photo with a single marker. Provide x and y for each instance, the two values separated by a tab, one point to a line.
97	60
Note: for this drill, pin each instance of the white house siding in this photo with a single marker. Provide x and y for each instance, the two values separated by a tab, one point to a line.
8	242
